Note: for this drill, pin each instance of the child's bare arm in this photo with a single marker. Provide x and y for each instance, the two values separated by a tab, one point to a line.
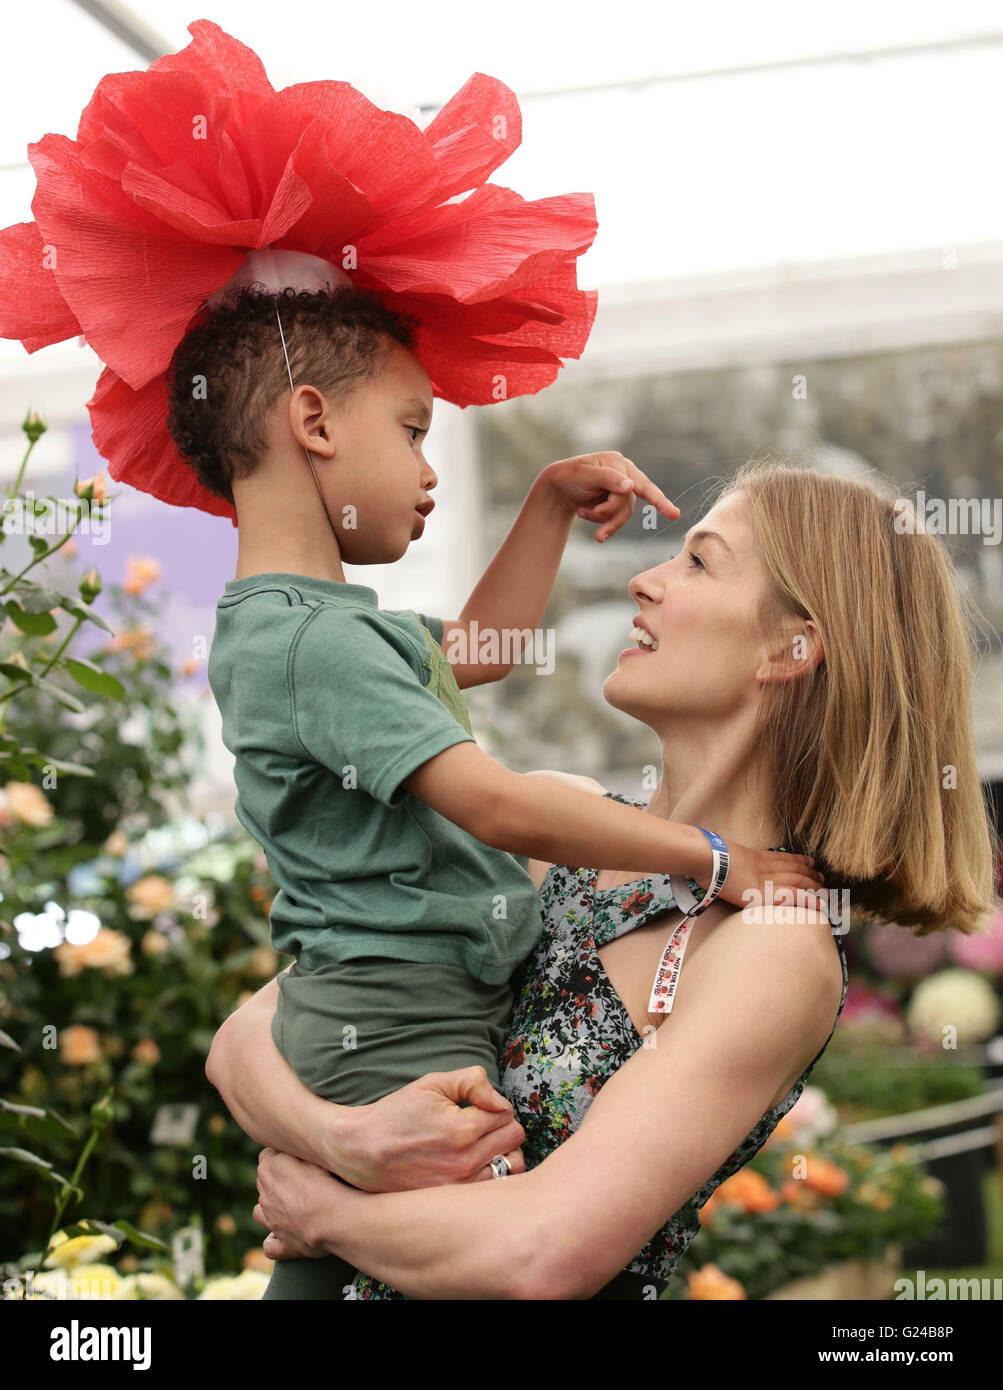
515	588
546	820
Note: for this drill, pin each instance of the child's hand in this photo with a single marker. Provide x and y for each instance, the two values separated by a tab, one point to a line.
602	487
751	868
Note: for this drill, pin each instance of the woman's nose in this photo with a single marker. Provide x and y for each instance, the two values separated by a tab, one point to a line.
648	585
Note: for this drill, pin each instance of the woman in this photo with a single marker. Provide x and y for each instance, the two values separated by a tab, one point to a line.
810	683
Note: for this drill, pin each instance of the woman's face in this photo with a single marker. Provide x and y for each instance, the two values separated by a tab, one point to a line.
700	609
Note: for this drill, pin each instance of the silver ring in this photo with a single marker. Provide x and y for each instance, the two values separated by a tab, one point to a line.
500	1167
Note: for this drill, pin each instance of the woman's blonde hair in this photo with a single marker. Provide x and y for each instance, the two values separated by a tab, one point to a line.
874	751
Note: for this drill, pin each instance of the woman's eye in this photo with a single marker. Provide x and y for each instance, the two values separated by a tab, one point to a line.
699	562
414	429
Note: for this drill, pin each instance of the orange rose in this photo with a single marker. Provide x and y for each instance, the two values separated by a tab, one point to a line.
826	1178
711	1283
796	1194
748	1190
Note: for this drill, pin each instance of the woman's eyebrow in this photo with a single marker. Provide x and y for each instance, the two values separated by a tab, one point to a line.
708	536
422	409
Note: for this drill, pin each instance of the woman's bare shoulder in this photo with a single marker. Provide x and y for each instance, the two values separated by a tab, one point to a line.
776	957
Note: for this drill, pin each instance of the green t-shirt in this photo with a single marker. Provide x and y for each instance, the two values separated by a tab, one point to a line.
328	703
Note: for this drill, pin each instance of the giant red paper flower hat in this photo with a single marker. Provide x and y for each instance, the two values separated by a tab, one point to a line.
177	172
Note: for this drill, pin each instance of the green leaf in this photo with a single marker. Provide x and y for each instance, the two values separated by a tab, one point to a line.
58	693
92	678
21	1109
31	624
79	609
77	769
24	1156
38	600
16	769
141	1238
16	672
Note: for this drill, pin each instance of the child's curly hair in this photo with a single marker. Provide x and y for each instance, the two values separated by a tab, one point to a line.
228	372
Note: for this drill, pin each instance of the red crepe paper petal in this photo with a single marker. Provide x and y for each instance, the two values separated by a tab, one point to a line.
132	287
128	429
31	306
475	248
177	171
474	133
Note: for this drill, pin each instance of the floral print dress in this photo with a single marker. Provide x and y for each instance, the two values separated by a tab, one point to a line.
570	1033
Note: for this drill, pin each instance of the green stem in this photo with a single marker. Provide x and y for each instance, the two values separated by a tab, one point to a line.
64	1196
12	492
37	560
61	648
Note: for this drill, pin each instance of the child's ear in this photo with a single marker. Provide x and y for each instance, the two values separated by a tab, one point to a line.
311	419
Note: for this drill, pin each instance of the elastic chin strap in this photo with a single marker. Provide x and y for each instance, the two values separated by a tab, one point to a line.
309	456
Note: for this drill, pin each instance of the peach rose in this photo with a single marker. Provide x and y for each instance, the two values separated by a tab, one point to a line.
257	1259
712	1283
116	844
108	951
140	572
95	486
26	803
138	640
150	895
155	943
147	1052
80	1045
263	962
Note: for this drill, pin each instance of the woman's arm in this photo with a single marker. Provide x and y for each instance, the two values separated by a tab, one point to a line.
415	1137
754	1004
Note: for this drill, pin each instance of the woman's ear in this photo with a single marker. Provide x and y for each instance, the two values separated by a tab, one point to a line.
803	651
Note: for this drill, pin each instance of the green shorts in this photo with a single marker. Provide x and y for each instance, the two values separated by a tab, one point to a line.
356	1031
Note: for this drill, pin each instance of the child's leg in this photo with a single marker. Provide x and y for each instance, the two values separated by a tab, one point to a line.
357	1031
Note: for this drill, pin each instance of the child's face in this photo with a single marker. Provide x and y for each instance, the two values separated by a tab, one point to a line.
378	476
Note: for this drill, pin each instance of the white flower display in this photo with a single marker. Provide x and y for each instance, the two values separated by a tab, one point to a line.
958	999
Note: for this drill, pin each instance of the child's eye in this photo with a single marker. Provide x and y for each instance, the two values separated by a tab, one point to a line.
699	562
414	429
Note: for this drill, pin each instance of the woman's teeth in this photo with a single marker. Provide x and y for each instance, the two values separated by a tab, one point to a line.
645	638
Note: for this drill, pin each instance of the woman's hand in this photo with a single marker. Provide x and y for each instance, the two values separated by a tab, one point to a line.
749	870
291	1195
420	1136
602	487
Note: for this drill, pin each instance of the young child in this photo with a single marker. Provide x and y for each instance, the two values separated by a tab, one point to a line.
398	846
